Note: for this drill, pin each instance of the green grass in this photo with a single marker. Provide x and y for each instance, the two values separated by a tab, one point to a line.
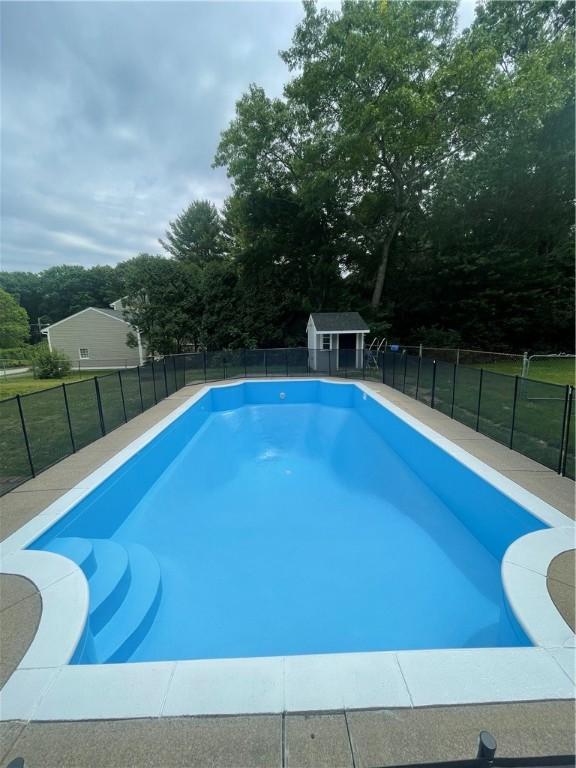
46	419
552	370
23	384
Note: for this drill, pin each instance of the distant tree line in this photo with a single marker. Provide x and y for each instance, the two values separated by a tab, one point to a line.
421	176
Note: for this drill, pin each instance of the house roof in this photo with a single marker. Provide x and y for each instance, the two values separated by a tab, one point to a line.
332	322
110	312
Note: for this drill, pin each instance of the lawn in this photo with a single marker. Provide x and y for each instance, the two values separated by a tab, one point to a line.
553	370
23	384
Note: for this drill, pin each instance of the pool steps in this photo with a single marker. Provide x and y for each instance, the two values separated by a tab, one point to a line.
81	551
109	585
125	588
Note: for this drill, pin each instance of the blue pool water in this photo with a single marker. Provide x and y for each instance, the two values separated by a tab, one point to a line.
281	518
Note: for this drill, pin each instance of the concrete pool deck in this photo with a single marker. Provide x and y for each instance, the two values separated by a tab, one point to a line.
352	738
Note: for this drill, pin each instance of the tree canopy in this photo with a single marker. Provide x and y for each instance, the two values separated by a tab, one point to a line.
195	236
14	330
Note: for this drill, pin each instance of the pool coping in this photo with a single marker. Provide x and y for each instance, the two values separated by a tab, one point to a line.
45	687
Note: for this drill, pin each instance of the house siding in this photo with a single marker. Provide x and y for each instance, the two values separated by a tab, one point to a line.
104	337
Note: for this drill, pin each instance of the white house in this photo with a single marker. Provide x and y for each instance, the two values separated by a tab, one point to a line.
120	304
96	338
341	333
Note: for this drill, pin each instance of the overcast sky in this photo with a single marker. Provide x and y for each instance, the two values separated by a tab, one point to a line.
111	114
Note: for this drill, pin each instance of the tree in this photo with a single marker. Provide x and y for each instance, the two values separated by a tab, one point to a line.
14	328
164	300
59	291
497	241
69	288
398	94
287	265
195	236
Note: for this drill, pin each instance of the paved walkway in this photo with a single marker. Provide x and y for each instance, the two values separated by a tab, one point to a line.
347	739
4	372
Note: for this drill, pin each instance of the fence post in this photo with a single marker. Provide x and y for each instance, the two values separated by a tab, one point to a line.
514	413
565	430
165	377
453	390
68	417
184	380
204	358
245	368
525	365
383	367
405	367
154	381
432	396
99	402
420	349
418	376
140	390
479	399
393	370
486	746
122	396
458	356
25	433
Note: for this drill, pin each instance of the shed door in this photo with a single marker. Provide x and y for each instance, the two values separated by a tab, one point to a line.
347	350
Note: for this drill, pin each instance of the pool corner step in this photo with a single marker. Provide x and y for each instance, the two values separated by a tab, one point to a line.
77	549
129	623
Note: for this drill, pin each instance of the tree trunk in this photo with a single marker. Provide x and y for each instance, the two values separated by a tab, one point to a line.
383	266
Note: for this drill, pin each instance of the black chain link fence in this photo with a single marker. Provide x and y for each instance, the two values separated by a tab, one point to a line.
41	428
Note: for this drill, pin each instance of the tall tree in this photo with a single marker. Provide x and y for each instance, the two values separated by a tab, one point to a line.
397	94
14	330
164	302
195	236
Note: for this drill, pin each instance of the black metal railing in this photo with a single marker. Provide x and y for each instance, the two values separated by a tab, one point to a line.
41	428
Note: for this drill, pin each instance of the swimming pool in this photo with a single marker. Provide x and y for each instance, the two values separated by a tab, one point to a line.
301	519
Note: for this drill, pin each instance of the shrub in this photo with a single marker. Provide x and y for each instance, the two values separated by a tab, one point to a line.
50	364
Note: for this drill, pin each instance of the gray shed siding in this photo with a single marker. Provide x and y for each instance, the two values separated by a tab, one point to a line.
104	337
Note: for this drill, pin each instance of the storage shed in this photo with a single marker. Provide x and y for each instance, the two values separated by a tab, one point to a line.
340	333
96	338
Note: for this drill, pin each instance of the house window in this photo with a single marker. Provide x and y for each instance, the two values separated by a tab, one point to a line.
84	353
325	341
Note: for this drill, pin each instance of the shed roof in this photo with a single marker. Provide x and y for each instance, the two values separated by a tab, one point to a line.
326	322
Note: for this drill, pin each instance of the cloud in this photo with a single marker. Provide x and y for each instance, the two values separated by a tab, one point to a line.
112	112
111	116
